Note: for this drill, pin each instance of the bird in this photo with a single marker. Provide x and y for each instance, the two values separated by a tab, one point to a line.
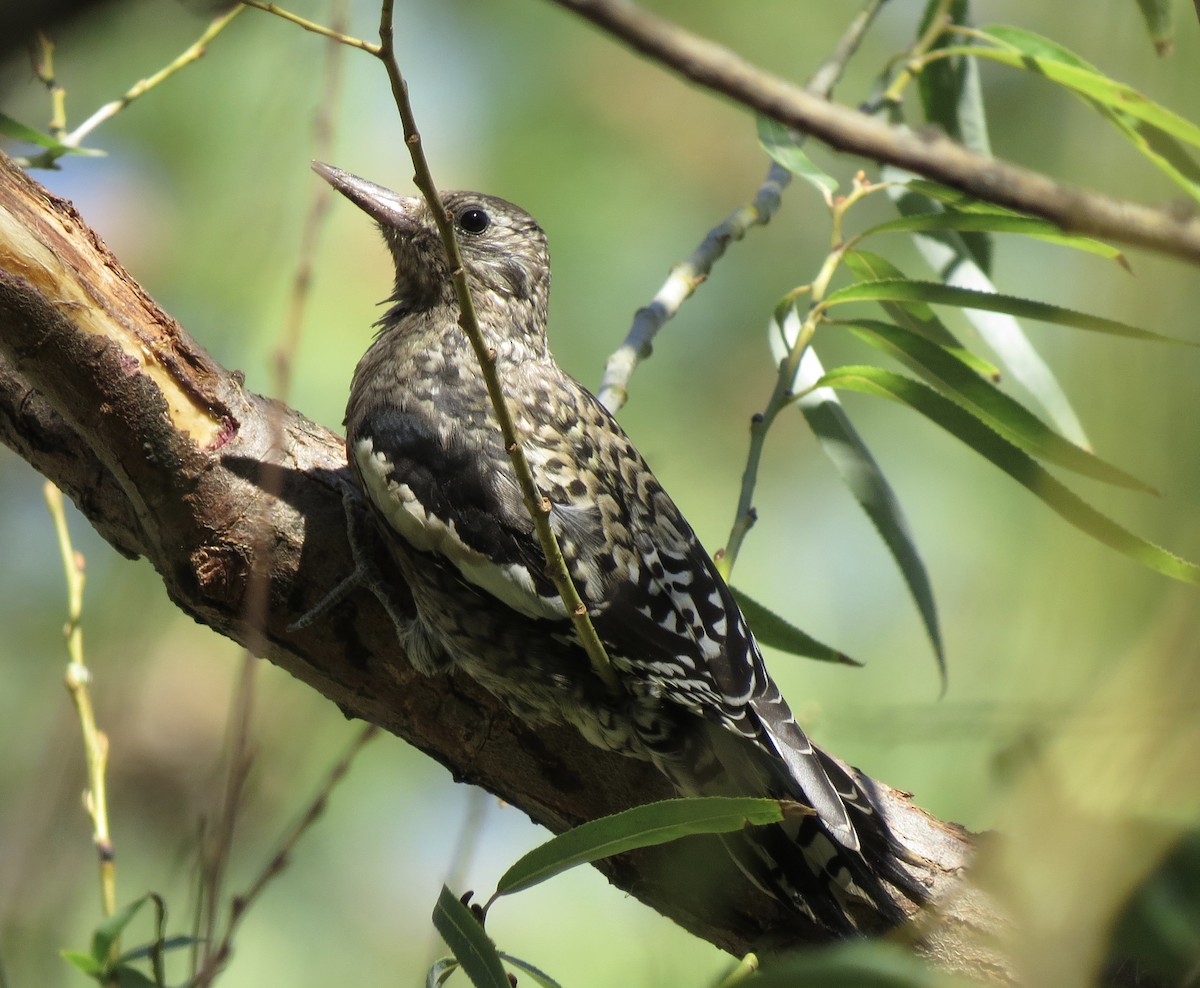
692	693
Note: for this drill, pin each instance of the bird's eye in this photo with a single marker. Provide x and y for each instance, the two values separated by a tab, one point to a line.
474	220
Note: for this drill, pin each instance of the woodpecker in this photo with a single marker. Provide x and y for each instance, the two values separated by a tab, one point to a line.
693	694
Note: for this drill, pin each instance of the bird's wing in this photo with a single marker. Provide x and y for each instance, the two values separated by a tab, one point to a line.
679	626
445	498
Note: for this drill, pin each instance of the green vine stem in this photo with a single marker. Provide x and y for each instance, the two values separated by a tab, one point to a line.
95	741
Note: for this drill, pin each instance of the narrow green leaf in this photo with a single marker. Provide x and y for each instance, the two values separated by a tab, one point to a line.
469	942
538	975
950	92
1017	464
951	256
1032	53
1154	141
994	222
83	962
861	474
21	132
955	198
936	293
642	826
440	972
1008	417
54	148
109	931
783	145
915	316
959	202
1157	15
771	629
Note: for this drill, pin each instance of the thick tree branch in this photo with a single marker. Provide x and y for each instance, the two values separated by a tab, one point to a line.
172	459
927	153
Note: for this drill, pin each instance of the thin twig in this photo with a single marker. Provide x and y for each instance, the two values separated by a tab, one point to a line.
315	28
686	276
192	54
536	503
217	849
314	223
1169	231
220	952
43	68
745	515
95	741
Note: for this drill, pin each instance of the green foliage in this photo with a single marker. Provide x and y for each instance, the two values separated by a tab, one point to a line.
105	967
642	826
779	633
53	148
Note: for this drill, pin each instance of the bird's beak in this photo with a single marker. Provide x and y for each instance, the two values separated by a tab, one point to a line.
382	204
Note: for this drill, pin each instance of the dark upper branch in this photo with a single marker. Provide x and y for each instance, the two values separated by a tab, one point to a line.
927	153
171	458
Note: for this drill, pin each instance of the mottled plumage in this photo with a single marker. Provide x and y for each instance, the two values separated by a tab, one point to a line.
694	695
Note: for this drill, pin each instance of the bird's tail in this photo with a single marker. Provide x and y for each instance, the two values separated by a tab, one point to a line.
846	874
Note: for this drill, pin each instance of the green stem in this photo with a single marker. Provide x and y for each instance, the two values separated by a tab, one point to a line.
95	741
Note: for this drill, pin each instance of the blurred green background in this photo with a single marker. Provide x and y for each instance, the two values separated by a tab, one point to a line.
203	195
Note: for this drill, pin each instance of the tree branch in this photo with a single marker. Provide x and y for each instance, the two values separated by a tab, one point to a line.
927	153
171	458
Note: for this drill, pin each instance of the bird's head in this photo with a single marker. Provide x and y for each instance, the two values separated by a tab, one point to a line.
503	248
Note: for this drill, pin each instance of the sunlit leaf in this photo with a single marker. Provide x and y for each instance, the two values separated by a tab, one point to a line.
936	293
468	941
83	962
950	256
915	316
771	629
1016	463
1158	133
1008	417
994	222
783	145
1034	53
642	826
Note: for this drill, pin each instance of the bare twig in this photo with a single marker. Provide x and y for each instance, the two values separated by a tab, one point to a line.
220	951
315	28
140	88
1173	232
323	131
686	276
745	516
